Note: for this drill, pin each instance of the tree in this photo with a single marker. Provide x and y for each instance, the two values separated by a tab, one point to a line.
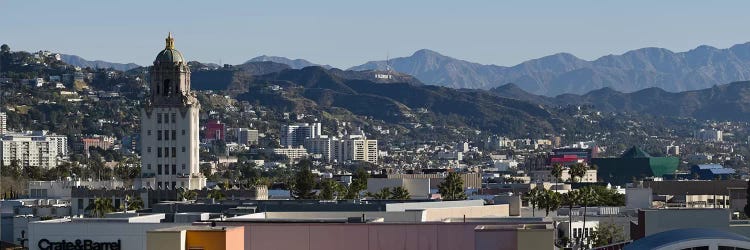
577	170
556	172
383	194
570	199
400	193
588	196
452	188
607	234
550	201
4	48
534	197
184	194
133	203
359	183
304	181
100	207
329	190
216	195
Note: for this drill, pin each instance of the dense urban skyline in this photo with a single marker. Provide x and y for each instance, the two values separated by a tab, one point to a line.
344	34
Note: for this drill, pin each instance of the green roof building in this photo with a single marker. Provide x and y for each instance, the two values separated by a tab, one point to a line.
634	163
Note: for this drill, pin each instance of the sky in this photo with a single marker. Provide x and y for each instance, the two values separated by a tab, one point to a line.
351	32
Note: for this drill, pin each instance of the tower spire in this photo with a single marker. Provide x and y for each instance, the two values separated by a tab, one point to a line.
170	41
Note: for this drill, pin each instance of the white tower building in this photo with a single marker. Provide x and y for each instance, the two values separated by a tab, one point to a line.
169	126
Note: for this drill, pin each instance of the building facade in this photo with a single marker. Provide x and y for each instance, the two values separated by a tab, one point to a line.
169	126
295	134
37	148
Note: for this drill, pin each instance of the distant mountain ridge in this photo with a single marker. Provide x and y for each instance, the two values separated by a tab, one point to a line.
80	62
729	102
293	63
560	73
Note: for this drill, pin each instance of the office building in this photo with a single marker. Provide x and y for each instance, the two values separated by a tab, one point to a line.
3	123
356	148
247	136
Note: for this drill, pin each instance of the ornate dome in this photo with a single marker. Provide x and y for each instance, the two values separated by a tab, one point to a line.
169	54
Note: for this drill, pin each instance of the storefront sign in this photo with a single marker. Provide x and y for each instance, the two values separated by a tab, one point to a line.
45	244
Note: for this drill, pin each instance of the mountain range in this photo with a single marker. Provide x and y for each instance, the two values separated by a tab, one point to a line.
83	63
561	73
293	63
553	75
729	102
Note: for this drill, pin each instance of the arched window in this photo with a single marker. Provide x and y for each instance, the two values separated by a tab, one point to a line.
166	87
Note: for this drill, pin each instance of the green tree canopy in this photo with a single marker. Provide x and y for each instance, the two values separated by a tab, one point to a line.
452	188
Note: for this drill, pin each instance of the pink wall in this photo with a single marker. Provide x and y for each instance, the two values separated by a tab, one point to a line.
373	236
235	238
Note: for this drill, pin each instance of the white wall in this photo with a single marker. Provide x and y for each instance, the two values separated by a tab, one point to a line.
132	235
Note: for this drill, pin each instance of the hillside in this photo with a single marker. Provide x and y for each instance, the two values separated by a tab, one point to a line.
293	63
315	88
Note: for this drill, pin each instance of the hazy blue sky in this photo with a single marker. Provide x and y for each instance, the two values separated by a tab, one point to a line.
348	32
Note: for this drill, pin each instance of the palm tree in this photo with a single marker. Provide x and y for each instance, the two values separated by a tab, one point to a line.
400	193
571	199
577	170
550	201
383	194
216	195
556	172
133	203
588	196
100	207
534	197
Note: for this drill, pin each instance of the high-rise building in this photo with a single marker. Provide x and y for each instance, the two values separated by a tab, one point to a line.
247	136
3	123
295	135
37	148
169	126
356	148
321	145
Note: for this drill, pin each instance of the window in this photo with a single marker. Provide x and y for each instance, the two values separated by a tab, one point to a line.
166	135
166	117
148	149
174	169
148	132
174	184
174	117
174	135
158	169
166	152
166	84
183	149
148	166
80	203
174	152
183	166
158	152
183	132
158	184
158	117
158	135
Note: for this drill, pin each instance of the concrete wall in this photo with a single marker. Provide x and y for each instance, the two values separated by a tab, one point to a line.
669	219
439	214
407	216
374	236
513	201
165	240
424	205
638	198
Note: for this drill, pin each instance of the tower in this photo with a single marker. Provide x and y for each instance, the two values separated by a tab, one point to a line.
169	126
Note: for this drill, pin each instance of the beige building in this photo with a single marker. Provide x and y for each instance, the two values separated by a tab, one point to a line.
356	148
169	126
